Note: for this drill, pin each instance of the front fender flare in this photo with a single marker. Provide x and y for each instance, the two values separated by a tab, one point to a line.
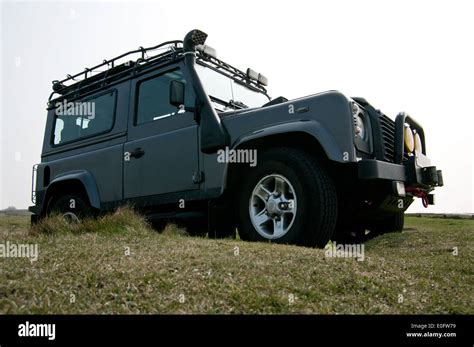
338	151
85	178
314	128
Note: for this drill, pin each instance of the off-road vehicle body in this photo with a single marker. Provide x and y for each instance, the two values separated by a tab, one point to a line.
169	131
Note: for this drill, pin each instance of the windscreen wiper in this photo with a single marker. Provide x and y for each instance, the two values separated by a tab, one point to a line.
220	101
238	104
229	104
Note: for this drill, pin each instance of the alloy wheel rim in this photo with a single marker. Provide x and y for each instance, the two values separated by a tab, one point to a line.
71	217
273	206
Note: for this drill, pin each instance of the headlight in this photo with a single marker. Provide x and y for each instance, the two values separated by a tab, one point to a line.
418	143
408	139
360	126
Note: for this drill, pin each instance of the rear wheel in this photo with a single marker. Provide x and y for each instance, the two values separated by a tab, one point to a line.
287	198
73	208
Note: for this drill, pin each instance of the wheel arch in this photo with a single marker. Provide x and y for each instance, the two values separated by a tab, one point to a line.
81	182
295	139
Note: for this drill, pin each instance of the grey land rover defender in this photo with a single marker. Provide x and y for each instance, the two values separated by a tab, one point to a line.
181	135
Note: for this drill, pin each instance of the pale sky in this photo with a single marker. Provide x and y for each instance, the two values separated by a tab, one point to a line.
413	56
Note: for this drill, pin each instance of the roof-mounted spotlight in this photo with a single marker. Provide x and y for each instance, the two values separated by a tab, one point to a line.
58	86
207	50
257	77
262	80
251	74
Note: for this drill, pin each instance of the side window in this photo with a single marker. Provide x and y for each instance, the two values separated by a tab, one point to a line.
153	98
78	119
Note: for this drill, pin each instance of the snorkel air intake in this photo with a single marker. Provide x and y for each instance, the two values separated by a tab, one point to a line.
213	134
192	39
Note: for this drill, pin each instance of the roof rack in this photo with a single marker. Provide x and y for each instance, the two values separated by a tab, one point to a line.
232	72
73	86
87	81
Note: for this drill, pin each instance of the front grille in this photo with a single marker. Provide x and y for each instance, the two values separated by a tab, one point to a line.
387	127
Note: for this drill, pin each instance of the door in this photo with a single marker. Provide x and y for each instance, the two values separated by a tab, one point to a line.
161	154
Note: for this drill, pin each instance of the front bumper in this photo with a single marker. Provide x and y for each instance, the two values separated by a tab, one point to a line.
416	177
416	172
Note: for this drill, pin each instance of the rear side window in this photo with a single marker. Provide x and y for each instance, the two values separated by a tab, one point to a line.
154	97
79	119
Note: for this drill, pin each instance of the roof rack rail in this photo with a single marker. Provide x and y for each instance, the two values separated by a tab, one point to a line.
86	81
232	71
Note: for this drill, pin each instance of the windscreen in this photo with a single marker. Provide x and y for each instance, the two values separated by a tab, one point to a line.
226	93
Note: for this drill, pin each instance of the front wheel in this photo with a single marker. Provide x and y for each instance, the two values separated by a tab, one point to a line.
72	207
287	198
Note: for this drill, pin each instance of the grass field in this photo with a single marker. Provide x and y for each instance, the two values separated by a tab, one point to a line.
119	265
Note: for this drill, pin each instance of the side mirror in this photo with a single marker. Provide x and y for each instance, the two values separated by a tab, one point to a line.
177	93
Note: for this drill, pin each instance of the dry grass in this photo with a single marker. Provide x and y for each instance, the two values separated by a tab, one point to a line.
117	264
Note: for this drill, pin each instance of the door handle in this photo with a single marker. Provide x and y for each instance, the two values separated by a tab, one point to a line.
137	152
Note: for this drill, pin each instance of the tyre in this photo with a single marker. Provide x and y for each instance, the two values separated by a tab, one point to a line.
72	207
391	224
287	198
